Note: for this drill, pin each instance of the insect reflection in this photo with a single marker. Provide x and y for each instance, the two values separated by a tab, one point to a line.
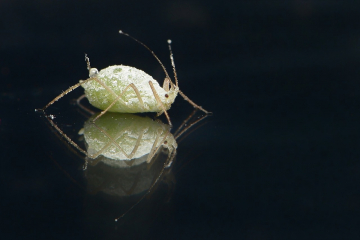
127	145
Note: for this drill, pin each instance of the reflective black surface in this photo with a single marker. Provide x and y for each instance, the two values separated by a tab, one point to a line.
279	159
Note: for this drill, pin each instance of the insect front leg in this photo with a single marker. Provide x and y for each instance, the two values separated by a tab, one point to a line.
166	87
166	84
158	100
193	104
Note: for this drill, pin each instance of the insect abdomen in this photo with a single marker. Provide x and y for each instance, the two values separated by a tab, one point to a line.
111	82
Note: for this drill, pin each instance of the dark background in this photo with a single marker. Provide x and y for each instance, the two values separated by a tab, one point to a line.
279	159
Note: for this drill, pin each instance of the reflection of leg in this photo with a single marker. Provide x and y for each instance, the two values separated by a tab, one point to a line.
178	133
185	121
154	148
157	145
118	97
138	141
112	141
159	102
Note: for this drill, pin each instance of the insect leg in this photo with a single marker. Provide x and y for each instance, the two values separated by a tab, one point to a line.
177	84
193	104
118	97
63	94
78	102
166	84
159	102
138	95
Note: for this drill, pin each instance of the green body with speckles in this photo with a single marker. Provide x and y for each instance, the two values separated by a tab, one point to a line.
110	83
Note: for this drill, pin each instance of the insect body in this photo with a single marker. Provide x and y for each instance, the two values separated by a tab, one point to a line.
127	89
130	89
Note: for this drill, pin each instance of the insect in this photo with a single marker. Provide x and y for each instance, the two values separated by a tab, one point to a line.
126	89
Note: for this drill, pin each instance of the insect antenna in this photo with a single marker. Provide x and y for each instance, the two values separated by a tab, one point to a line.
167	75
87	60
177	83
138	41
172	62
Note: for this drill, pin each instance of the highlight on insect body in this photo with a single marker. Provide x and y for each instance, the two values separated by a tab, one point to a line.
126	89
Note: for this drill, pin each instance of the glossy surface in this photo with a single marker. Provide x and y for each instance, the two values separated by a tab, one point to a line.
279	159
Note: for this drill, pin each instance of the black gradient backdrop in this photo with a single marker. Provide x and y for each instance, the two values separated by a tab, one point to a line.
279	159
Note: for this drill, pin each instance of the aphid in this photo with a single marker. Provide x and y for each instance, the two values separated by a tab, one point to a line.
126	89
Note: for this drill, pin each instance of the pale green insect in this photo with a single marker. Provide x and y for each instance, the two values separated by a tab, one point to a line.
129	90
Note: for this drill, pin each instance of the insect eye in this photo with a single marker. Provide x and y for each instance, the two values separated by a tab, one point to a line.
166	95
93	72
